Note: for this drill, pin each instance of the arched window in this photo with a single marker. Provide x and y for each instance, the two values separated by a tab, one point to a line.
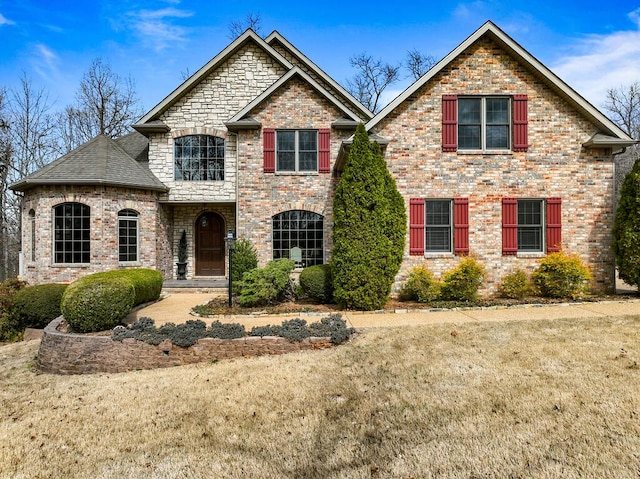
127	236
299	229
199	158
32	225
72	228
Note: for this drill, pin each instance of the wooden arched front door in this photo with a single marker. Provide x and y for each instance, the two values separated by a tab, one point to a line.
209	245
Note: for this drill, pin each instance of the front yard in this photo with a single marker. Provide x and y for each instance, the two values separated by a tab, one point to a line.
527	399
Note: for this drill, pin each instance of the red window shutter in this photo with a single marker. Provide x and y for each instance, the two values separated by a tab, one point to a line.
509	226
449	122
324	150
461	226
520	123
269	150
416	226
554	225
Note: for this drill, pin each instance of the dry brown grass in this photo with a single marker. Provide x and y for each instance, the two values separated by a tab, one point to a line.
522	399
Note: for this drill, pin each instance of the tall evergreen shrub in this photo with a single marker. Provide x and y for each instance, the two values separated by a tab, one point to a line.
369	228
626	228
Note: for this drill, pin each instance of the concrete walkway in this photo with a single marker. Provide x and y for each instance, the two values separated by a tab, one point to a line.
176	308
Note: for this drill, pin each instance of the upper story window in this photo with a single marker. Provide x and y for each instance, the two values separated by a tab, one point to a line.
484	123
72	228
127	236
199	158
296	150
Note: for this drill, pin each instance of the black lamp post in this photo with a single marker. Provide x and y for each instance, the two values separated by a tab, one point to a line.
230	239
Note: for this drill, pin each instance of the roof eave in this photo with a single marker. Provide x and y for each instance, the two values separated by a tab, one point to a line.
606	141
29	184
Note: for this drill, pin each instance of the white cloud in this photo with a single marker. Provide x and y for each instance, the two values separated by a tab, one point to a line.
5	21
45	62
602	62
156	28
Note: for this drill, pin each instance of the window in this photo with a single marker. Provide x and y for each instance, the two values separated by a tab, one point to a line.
301	229
487	123
32	225
531	225
484	123
438	226
296	150
127	236
530	221
199	158
71	233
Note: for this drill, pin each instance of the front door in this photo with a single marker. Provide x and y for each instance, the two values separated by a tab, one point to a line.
209	245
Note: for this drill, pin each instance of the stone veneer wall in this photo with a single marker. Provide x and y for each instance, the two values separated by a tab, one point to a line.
555	166
66	353
104	203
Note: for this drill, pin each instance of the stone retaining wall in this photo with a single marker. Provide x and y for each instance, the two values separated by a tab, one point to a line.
67	353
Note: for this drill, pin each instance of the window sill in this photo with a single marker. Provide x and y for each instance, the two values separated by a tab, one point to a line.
438	254
128	264
531	254
485	152
71	265
296	173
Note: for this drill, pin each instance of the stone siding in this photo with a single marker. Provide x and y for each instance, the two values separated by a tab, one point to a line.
219	96
66	353
555	165
104	204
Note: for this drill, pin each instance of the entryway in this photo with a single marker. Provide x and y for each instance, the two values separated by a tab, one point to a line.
209	245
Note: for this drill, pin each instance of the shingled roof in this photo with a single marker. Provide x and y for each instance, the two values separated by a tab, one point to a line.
101	161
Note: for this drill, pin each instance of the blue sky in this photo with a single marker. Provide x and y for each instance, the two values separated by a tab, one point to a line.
591	45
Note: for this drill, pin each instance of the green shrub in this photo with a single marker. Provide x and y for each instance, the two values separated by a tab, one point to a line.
36	306
95	303
245	258
268	285
626	228
421	286
8	290
515	285
462	283
560	275
147	283
369	228
316	283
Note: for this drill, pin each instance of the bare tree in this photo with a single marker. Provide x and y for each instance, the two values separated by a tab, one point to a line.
371	80
5	162
106	104
252	21
418	64
623	104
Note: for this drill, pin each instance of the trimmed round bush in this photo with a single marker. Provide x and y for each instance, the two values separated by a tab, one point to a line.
147	283
97	302
462	283
515	285
560	275
421	286
316	283
36	306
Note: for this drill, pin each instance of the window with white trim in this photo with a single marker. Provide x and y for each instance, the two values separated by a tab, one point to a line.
32	225
296	150
484	123
127	236
531	225
438	226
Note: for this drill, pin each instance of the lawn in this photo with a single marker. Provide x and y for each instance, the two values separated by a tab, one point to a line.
520	399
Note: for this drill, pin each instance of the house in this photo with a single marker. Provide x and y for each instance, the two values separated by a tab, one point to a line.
493	153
